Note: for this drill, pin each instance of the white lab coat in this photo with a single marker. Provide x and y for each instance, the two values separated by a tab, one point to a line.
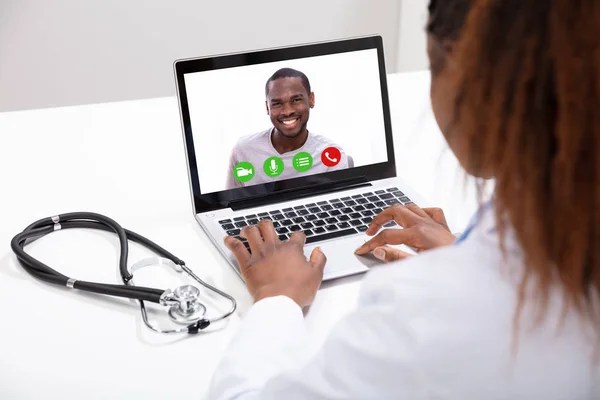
436	326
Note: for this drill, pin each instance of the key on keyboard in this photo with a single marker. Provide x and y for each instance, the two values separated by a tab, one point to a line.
331	235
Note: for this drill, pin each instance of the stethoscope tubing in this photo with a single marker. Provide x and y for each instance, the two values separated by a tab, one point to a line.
84	220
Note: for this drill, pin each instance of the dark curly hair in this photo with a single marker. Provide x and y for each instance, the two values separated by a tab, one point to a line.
288	73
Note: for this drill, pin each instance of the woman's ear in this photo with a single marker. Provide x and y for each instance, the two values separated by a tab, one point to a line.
448	47
450	53
440	53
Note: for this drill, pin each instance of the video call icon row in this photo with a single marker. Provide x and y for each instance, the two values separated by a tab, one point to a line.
273	166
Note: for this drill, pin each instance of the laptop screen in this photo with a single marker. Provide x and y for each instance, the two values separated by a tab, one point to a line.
280	119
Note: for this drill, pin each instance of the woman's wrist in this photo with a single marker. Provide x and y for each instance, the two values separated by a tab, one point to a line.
267	292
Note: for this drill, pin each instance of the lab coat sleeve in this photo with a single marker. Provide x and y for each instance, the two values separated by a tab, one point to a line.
271	338
369	354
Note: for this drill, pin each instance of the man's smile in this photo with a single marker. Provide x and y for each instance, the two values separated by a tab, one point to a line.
290	122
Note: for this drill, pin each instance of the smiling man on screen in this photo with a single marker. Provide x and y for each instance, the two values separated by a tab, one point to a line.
288	149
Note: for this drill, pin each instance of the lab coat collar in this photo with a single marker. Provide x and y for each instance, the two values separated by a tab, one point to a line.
484	227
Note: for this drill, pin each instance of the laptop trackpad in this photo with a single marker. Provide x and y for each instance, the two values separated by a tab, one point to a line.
341	258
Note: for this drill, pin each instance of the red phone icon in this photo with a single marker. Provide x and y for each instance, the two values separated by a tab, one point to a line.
331	157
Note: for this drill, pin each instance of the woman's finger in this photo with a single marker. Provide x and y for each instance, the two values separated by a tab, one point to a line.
267	230
389	254
239	251
398	213
437	214
255	240
387	236
417	210
298	238
379	220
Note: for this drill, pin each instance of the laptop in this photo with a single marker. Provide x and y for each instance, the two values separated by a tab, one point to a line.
301	135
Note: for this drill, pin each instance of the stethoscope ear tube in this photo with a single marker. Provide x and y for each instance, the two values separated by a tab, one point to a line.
47	274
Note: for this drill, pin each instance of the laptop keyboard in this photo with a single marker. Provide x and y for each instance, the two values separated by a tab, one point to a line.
324	219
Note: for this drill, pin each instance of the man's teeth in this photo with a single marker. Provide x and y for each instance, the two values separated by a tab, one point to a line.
290	122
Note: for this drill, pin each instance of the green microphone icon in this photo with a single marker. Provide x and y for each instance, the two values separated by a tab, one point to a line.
273	166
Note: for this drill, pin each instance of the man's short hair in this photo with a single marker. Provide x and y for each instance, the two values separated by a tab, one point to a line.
288	73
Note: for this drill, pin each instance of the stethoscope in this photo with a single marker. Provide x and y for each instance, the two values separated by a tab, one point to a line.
183	302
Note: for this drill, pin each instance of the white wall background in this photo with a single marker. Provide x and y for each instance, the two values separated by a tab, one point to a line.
411	54
65	52
68	52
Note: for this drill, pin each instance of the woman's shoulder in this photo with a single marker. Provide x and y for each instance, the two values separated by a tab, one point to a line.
458	305
449	274
467	288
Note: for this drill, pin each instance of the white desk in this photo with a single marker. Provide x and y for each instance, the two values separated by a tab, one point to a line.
126	160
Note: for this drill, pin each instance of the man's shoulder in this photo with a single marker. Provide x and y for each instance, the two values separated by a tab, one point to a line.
323	141
253	138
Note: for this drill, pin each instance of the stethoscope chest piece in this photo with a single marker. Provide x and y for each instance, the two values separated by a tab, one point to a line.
187	308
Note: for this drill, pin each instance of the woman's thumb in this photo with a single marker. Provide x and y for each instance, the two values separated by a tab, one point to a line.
389	254
318	258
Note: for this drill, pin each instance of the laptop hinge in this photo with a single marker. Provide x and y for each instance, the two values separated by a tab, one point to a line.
298	193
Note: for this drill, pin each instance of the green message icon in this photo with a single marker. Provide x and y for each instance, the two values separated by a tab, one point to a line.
243	171
273	166
302	161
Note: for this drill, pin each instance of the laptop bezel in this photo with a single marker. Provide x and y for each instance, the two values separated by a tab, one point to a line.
219	200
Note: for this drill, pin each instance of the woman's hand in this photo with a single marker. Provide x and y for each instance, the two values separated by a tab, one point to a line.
424	229
277	268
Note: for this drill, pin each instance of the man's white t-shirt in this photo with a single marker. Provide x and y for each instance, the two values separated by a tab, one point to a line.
258	147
